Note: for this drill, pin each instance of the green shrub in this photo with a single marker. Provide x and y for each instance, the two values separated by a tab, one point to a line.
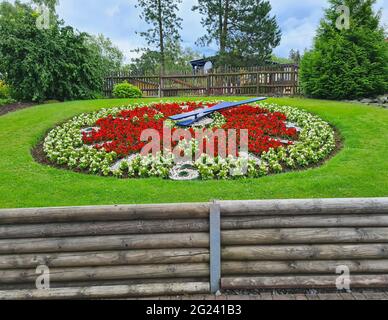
57	63
4	102
4	90
347	64
126	90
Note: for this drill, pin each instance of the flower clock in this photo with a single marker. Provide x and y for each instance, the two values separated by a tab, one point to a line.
140	141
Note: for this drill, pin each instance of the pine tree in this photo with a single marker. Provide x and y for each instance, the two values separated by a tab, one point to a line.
244	30
295	56
347	63
165	25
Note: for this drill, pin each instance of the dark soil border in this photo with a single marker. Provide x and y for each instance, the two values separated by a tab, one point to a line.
13	107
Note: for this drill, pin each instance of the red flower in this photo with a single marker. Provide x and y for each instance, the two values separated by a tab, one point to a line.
121	134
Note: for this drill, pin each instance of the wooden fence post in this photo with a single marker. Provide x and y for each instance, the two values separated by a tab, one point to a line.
208	84
161	80
215	247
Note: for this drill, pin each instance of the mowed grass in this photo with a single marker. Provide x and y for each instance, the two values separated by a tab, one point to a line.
359	170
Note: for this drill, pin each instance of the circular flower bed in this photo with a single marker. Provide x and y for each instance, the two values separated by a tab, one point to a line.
109	142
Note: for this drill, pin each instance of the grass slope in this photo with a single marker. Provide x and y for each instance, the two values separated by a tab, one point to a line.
359	170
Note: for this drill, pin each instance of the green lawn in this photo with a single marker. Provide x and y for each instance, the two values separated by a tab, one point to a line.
359	170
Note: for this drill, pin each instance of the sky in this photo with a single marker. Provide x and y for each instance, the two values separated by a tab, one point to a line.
119	20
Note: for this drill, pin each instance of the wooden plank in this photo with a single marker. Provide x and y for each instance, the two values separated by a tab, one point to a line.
195	211
374	295
103	228
302	267
215	248
304	207
197	270
124	242
105	213
301	282
330	296
358	296
150	290
347	296
104	258
321	221
305	252
100	283
305	235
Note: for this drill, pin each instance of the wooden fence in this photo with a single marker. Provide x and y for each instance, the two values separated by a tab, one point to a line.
172	249
270	81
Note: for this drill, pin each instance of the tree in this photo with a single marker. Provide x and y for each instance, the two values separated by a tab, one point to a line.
295	56
176	60
281	60
51	4
40	64
347	63
165	25
243	29
112	58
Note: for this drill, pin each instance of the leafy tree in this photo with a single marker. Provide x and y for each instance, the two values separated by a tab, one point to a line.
112	58
243	29
53	63
347	63
161	15
280	60
176	60
51	4
295	56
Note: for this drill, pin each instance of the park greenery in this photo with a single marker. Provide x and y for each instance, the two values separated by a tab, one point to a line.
41	64
126	90
347	63
245	31
163	33
62	63
176	60
5	94
357	171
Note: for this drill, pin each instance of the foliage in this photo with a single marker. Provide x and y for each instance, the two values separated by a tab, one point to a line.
280	60
176	60
43	64
364	130
126	90
295	56
112	58
348	63
244	30
51	4
164	23
4	102
4	90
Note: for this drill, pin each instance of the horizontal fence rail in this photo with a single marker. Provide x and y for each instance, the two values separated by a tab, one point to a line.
178	249
275	80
